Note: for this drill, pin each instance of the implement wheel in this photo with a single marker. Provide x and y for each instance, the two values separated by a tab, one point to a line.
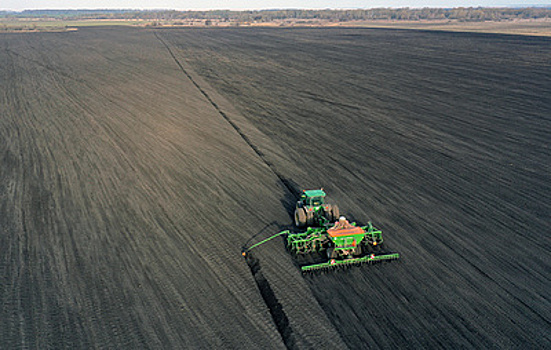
379	248
300	217
358	251
331	253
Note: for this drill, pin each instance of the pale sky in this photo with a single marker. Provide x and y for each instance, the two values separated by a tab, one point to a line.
249	5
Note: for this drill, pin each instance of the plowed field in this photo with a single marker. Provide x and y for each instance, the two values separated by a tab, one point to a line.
135	164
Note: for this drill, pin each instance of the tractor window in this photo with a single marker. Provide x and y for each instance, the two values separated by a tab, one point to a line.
316	201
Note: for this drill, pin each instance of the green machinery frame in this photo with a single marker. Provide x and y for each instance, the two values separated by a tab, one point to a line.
317	239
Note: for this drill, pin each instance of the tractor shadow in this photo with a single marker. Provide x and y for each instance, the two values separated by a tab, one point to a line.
290	199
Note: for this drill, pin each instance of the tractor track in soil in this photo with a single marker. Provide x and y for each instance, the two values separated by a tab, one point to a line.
293	190
274	306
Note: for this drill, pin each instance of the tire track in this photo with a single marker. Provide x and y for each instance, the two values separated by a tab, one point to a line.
84	284
276	310
289	185
269	295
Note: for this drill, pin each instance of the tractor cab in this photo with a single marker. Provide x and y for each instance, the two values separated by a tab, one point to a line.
312	198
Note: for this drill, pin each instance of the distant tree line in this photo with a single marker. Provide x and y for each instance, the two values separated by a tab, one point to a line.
31	28
461	14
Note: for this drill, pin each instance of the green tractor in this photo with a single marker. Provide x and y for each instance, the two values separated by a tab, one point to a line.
312	209
329	240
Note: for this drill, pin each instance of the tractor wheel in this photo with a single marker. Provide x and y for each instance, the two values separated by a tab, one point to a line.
310	218
300	217
335	212
328	213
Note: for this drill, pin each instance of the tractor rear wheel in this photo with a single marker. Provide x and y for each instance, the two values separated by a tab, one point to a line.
310	218
300	217
335	212
328	213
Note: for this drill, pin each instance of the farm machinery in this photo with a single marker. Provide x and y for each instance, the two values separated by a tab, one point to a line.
312	209
326	243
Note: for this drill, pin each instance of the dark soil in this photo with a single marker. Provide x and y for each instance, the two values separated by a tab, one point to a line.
135	164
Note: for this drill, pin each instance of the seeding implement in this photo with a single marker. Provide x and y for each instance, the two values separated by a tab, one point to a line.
342	244
329	245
